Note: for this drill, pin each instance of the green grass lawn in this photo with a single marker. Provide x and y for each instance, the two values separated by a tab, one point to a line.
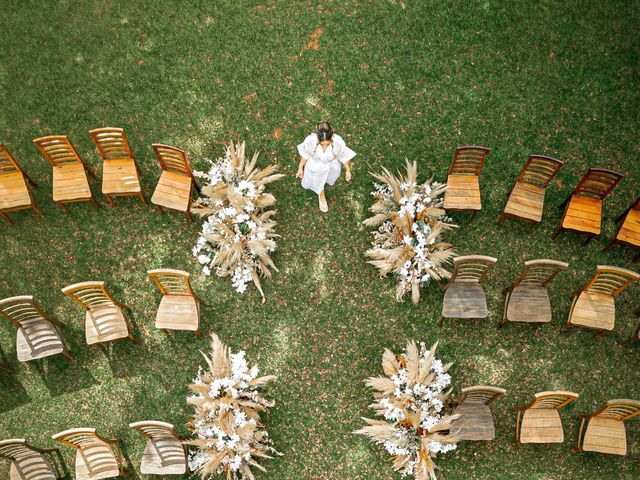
557	78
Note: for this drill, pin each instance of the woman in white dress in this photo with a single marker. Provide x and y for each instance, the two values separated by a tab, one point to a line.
322	155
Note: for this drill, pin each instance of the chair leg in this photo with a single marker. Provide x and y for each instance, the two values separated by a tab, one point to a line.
501	219
533	226
6	217
95	203
159	208
110	201
609	245
441	320
90	172
600	333
31	182
70	357
473	216
37	210
189	216
556	233
133	339
198	333
102	347
141	196
589	238
64	207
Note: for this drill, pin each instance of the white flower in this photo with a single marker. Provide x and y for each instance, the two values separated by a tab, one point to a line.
203	259
206	271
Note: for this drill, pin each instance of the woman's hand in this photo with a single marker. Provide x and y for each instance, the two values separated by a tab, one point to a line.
300	173
347	176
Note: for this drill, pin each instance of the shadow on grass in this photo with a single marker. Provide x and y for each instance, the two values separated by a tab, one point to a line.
12	393
62	376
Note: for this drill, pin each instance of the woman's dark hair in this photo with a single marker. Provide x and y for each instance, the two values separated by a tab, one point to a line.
324	131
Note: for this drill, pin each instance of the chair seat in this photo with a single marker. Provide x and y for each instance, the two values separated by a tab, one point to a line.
163	456
630	230
463	193
605	435
101	461
31	467
70	183
476	422
13	191
583	214
178	312
120	176
105	324
526	201
594	310
37	339
528	304
173	191
464	300
541	425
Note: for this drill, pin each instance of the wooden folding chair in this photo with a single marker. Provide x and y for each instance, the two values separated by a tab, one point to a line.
164	453
539	421
463	186
526	198
120	172
37	335
583	208
14	192
105	318
464	296
179	308
94	457
593	306
527	300
605	431
176	182
629	231
27	461
476	421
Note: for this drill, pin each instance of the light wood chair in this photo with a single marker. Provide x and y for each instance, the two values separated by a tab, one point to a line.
37	335
27	461
526	198
593	306
527	300
605	431
629	231
476	420
120	172
164	453
176	183
70	183
94	457
463	186
464	296
105	318
583	208
539	421
179	308
14	191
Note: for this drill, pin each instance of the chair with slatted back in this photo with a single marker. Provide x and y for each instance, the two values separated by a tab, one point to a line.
70	182
164	453
38	335
463	186
27	461
105	318
526	197
179	308
527	300
539	421
464	296
120	172
583	208
604	431
476	421
176	182
14	189
629	232
593	306
94	457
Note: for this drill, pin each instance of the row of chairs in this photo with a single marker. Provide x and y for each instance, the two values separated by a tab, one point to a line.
525	200
527	299
120	174
38	335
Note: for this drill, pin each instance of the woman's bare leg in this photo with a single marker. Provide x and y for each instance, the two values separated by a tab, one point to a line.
322	201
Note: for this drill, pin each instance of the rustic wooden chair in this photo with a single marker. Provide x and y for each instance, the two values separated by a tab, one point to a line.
70	183
527	300
120	172
94	457
37	335
583	208
464	296
463	186
27	461
14	191
105	318
539	421
176	182
476	420
526	197
179	308
605	431
593	306
629	231
164	453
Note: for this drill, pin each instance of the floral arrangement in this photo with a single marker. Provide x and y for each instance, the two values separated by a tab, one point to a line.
229	433
409	221
238	234
412	400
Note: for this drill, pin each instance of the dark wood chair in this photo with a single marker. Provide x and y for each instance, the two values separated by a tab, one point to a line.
629	232
14	187
476	421
463	186
539	421
604	431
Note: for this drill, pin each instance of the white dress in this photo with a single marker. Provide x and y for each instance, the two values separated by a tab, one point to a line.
323	166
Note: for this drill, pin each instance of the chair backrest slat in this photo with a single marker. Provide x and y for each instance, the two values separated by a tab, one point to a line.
21	310
620	409
112	143
8	164
469	160
610	280
597	183
16	448
481	394
153	430
79	438
171	282
172	159
58	150
556	399
539	273
539	170
89	295
471	268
